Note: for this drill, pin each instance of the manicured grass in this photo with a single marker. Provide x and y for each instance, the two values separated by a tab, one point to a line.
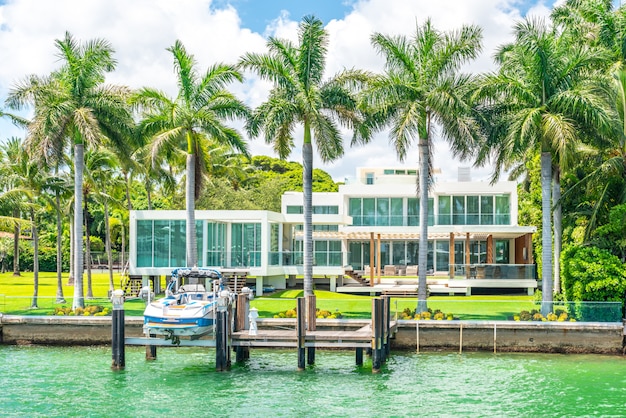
16	298
499	307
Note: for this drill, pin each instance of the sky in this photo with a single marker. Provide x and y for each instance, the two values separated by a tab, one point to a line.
223	30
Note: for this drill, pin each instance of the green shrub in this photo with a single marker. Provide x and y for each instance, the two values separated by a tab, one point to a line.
591	274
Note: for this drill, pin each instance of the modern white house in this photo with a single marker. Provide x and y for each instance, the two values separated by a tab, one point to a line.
370	228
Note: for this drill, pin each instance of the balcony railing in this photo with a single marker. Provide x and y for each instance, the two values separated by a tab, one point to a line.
495	271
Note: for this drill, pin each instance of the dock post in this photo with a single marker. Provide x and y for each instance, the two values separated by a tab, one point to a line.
301	331
117	333
222	356
151	350
359	356
242	322
311	313
386	327
376	334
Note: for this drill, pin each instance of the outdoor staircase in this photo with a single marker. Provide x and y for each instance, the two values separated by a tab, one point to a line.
131	285
354	275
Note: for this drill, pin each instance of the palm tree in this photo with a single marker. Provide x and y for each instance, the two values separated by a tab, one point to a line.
548	98
28	178
196	115
73	105
300	96
100	182
420	88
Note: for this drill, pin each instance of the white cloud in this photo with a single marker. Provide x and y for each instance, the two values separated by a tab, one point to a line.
141	30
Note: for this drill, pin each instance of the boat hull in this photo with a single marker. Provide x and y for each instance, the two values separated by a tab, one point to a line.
196	319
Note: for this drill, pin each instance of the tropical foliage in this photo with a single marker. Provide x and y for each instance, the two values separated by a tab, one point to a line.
551	115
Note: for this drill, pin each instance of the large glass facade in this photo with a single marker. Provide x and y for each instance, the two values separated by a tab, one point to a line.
327	252
161	243
216	244
246	244
474	210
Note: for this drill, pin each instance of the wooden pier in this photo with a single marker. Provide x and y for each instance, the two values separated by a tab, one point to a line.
305	337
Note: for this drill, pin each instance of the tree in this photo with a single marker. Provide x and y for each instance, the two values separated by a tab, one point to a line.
73	105
300	96
422	87
546	93
185	123
28	178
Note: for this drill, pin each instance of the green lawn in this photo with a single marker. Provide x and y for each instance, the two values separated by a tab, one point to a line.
16	298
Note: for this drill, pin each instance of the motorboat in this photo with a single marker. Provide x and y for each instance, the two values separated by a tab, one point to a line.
188	308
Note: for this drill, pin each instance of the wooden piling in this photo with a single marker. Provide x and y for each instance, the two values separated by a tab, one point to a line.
359	356
151	350
241	324
386	327
311	321
301	331
376	334
118	343
221	341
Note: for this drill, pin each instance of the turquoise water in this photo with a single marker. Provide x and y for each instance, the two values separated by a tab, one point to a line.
77	381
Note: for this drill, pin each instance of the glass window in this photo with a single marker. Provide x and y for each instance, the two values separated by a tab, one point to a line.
382	211
295	209
502	251
216	244
472	210
445	209
399	257
162	243
369	178
369	211
178	244
388	172
355	211
458	210
396	212
325	210
145	239
413	211
486	210
503	210
443	255
412	253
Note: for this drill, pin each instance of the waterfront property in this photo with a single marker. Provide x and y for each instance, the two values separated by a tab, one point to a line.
365	234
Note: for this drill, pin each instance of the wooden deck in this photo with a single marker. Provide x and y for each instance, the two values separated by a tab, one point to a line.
360	338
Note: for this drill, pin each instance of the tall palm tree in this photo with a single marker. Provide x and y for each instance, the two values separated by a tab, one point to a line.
421	88
28	178
549	99
101	180
74	106
196	115
301	96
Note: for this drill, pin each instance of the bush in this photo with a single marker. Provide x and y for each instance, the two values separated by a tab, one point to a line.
592	274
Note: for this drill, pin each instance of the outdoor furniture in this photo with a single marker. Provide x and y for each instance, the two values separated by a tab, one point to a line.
389	270
411	270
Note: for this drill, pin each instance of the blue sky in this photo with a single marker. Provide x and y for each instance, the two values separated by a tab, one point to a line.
258	14
222	30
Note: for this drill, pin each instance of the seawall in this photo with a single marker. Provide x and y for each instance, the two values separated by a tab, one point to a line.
507	336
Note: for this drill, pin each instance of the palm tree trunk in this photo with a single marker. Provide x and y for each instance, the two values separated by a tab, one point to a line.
60	298
35	238
127	185
16	246
546	233
148	185
191	215
558	227
307	185
70	279
422	294
79	163
88	249
107	244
